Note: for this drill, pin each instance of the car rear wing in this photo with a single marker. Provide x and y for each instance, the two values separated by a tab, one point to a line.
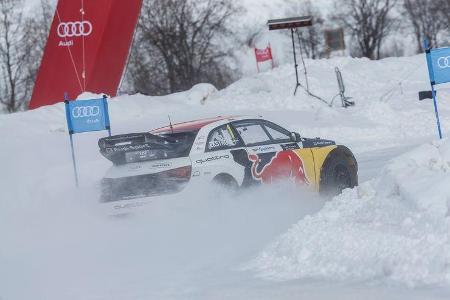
136	147
116	147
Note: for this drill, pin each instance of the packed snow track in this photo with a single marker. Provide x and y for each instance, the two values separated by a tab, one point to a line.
386	239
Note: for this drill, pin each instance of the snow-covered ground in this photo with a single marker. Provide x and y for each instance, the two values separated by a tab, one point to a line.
387	239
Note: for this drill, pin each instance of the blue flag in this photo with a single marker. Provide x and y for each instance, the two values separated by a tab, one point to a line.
87	115
439	65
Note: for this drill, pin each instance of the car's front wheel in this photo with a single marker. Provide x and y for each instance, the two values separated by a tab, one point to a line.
338	173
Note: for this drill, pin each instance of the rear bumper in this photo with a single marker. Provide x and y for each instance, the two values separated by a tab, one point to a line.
126	188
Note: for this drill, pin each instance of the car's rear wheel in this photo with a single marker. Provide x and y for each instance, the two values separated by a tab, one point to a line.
338	173
225	182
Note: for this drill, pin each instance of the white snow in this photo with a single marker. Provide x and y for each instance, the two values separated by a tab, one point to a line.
393	227
387	239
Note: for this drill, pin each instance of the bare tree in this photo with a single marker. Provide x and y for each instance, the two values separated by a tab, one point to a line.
446	11
311	38
21	45
368	21
179	43
11	55
426	20
36	30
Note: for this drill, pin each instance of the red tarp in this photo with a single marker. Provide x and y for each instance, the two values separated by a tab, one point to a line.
263	55
86	50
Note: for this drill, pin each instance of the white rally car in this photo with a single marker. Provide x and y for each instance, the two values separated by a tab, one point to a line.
230	151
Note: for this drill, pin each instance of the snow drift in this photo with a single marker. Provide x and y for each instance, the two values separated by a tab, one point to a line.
55	239
396	226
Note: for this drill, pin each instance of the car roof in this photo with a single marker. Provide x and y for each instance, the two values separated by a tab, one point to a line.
194	125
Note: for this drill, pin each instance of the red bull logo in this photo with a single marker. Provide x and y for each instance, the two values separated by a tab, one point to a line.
283	164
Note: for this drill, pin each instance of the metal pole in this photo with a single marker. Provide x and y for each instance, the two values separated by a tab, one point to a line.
106	110
69	126
436	111
295	61
75	171
427	47
303	62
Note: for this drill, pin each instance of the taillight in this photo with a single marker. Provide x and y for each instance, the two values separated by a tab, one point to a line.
183	172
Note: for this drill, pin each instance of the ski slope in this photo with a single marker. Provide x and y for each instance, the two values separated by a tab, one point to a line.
387	239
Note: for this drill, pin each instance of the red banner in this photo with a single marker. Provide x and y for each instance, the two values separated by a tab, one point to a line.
263	55
86	50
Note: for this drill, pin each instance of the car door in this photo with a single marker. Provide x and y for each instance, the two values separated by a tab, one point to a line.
217	158
272	154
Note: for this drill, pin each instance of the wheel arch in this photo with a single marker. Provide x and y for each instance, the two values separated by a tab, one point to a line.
224	177
339	152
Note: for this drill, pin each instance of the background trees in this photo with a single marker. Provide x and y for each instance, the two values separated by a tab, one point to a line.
428	18
11	55
22	40
311	38
180	43
368	21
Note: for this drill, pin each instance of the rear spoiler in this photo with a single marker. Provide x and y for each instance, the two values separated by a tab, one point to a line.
115	147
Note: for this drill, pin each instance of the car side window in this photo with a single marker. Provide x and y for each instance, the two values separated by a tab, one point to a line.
252	133
277	133
222	138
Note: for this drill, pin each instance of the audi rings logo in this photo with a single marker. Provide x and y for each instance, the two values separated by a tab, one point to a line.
85	111
444	62
71	29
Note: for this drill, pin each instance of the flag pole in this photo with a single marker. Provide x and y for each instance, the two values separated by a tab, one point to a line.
436	111
75	171
427	47
74	163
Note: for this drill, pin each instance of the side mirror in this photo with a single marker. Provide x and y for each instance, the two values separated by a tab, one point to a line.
295	137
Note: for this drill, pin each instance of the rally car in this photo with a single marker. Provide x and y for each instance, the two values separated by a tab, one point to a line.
230	151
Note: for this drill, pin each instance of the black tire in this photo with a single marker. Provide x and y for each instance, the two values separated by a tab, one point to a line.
339	172
225	182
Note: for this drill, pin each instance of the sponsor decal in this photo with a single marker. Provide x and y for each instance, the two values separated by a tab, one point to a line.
85	111
222	143
292	146
127	148
213	158
74	29
444	62
264	148
162	165
268	167
65	43
322	143
71	30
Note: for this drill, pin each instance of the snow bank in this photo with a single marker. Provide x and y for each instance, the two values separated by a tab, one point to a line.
394	227
388	227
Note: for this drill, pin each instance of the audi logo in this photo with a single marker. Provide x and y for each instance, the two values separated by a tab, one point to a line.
444	62
71	29
85	111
